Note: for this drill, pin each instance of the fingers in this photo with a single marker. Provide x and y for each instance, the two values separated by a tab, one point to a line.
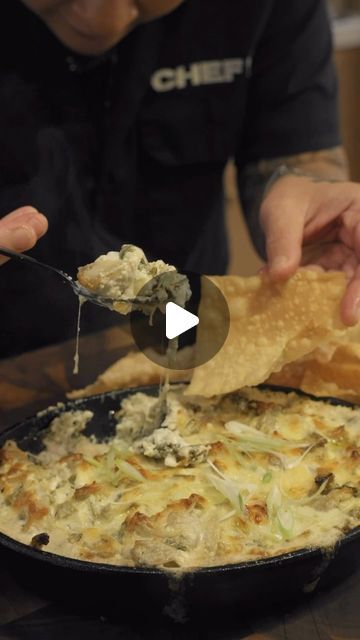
21	229
331	257
350	305
284	235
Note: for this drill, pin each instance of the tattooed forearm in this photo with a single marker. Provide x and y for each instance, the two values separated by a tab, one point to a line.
254	180
327	164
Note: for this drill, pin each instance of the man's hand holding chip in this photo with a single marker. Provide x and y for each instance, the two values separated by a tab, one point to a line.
21	229
314	222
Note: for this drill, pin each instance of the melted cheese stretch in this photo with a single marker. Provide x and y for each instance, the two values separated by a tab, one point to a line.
252	475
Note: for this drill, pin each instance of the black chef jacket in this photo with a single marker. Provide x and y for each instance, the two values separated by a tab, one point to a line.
131	146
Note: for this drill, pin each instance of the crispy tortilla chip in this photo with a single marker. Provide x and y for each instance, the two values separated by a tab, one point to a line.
134	370
270	326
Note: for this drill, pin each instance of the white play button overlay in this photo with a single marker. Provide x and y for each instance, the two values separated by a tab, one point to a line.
173	321
178	320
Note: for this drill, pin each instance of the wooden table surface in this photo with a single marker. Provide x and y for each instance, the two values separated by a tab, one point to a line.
31	382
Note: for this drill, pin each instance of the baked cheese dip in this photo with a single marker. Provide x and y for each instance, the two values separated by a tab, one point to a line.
249	475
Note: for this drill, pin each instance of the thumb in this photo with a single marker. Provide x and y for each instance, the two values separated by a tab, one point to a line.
284	237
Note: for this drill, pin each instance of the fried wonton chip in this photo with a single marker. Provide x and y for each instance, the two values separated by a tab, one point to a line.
311	383
134	370
270	326
337	376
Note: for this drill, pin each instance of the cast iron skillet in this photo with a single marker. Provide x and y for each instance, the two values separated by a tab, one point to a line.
241	585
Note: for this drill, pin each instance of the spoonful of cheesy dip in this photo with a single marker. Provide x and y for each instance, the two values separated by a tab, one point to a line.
126	281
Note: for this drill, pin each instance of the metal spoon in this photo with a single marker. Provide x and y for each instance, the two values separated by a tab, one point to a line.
151	301
78	289
154	299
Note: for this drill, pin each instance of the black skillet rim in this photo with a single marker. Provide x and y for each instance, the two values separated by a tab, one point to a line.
111	569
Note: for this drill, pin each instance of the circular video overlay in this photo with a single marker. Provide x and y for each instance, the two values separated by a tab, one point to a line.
204	316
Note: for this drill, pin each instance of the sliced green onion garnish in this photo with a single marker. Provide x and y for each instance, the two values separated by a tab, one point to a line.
250	439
